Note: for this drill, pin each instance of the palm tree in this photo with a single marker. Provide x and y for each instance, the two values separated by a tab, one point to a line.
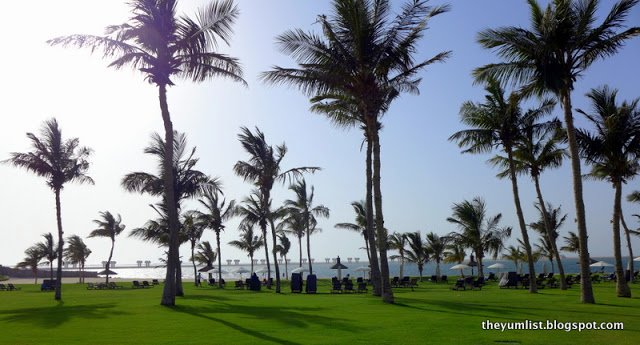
205	255
498	123
193	230
306	211
612	151
214	217
454	253
163	46
360	225
436	247
544	249
572	243
263	170
561	45
478	232
417	251
283	249
59	161
516	255
293	224
32	258
77	252
398	242
109	226
550	233
360	64
249	242
48	249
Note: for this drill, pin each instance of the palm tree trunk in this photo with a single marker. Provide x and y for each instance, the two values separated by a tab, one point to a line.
113	242
387	293
275	255
58	295
585	271
438	270
51	269
286	267
309	251
35	274
219	260
169	291
533	288
550	238
193	262
251	258
628	237
371	236
366	245
479	257
300	249
179	289
622	288
401	266
266	254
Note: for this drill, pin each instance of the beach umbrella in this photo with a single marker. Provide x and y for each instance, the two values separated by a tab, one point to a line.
215	270
338	266
637	259
300	270
601	264
262	270
242	270
460	267
497	266
105	272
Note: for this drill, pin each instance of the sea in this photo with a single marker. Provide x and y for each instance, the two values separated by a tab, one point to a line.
323	269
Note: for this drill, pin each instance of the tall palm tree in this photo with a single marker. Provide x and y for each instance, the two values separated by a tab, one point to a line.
498	123
478	232
436	248
193	230
303	206
417	251
77	252
398	242
164	46
216	213
49	251
544	249
561	45
205	255
248	242
360	225
108	226
612	150
515	254
32	258
58	161
549	229
572	243
293	224
361	63
263	170
283	249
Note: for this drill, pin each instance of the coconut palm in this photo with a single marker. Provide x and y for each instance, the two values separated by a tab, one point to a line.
360	225
193	231
478	232
77	253
263	170
612	150
283	249
307	212
49	251
293	223
498	123
572	243
205	255
417	251
544	249
516	255
165	46
361	63
563	42
248	242
58	161
455	253
436	248
32	258
216	213
398	242
550	233
108	226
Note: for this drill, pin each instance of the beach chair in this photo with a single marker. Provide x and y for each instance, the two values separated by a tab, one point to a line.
336	287
362	287
395	282
404	282
48	285
551	283
3	287
595	278
114	286
444	279
91	286
155	282
512	281
348	286
239	284
212	282
136	285
312	283
492	277
247	283
146	284
296	282
459	285
11	287
413	283
434	279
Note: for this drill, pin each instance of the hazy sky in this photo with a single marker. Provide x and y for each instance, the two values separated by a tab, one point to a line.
114	113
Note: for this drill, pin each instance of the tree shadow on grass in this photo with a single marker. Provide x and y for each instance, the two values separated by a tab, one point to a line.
54	316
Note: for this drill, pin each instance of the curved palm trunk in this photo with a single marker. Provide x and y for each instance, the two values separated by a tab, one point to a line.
193	262
300	249
179	289
366	245
387	293
533	288
219	260
309	252
58	295
628	237
552	241
108	265
275	256
622	288
82	272
51	269
169	291
286	267
371	236
585	271
480	256
401	266
266	254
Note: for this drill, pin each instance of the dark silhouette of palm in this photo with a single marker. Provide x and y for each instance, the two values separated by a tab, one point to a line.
248	242
110	227
293	223
58	161
164	46
32	258
572	243
362	61
360	225
77	253
417	251
49	251
549	230
562	43
193	230
205	255
612	151
398	242
283	249
436	247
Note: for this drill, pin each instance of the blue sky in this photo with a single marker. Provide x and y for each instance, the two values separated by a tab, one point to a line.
114	113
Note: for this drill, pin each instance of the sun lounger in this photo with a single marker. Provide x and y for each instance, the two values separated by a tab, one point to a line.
48	285
336	287
312	284
3	287
11	287
155	282
395	282
434	279
146	284
511	280
348	286
362	287
459	285
114	286
444	279
136	285
212	282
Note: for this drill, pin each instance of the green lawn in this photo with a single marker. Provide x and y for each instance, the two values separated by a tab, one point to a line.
430	314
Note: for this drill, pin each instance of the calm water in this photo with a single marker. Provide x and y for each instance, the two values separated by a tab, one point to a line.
323	270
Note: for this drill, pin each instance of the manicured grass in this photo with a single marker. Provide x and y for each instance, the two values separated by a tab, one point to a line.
430	314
